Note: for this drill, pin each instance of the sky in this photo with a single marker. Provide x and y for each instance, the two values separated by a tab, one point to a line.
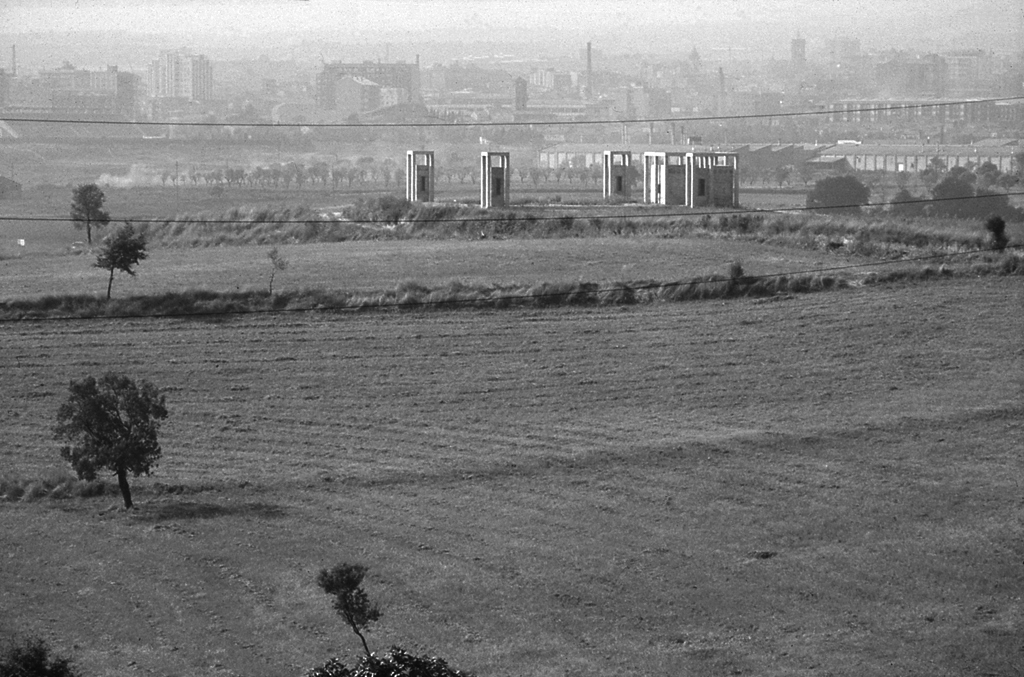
659	22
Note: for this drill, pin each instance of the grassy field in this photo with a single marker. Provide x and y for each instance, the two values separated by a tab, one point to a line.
369	265
826	484
793	485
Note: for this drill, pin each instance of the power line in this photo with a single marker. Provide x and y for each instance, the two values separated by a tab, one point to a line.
505	218
550	123
477	302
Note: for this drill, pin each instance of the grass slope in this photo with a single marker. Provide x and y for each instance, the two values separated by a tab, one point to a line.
685	489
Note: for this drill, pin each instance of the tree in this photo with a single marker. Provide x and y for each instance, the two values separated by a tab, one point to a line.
33	658
344	582
278	262
844	194
87	208
121	251
111	424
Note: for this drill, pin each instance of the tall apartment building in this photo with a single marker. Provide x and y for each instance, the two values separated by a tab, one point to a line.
181	75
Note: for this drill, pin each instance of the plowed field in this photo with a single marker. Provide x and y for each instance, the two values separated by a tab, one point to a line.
825	484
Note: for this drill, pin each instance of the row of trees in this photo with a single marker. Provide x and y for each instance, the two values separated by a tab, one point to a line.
958	195
365	170
962	193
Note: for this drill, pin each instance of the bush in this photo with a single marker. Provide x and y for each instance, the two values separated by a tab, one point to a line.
55	485
395	663
33	658
996	228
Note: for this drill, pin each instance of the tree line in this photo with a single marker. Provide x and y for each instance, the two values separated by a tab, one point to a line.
369	170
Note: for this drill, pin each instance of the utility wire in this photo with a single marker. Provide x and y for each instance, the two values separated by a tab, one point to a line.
515	297
551	123
505	218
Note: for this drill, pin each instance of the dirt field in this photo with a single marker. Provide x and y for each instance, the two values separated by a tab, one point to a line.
825	484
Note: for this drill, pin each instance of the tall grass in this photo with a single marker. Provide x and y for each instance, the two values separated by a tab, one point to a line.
410	295
54	484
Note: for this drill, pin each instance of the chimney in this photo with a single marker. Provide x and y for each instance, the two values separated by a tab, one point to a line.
590	74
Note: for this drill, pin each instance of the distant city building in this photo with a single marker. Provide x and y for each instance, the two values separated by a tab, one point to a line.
916	158
80	91
356	95
396	76
393	96
5	88
920	76
798	51
969	73
896	110
843	51
181	75
549	79
521	93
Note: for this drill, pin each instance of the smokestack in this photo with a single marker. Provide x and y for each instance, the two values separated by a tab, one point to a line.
14	61
590	74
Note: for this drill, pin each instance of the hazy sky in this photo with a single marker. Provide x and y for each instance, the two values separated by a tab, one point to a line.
875	22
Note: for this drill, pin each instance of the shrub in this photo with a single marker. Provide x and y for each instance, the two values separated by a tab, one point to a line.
996	228
33	658
395	663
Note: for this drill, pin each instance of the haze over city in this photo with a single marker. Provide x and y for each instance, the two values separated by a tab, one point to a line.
751	30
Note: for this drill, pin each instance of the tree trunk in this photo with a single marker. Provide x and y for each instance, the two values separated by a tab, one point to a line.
126	492
363	640
110	283
88	231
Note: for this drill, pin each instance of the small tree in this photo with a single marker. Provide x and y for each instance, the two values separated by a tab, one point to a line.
344	582
996	227
111	424
87	208
278	263
121	251
838	194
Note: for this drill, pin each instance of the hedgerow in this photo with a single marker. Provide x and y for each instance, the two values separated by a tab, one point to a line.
410	295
